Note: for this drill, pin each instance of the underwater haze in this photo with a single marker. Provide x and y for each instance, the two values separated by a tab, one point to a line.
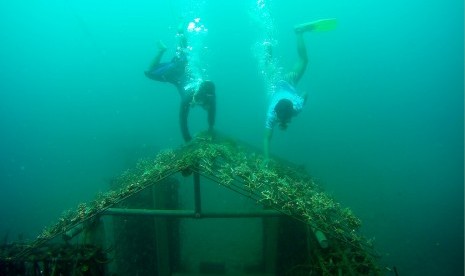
382	130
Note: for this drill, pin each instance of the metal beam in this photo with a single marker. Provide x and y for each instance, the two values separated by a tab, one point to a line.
190	213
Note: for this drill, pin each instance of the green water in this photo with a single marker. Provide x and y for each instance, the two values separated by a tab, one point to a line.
382	129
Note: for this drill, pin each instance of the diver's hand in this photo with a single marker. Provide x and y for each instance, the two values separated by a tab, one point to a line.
265	163
205	135
211	132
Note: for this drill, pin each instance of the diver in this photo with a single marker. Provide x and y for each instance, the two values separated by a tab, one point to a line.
285	101
192	91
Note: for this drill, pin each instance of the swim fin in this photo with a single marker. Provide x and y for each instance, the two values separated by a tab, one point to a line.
318	25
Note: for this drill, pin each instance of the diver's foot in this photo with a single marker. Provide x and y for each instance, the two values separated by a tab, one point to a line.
161	46
182	26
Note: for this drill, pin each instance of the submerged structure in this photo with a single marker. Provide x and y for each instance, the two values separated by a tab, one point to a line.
137	227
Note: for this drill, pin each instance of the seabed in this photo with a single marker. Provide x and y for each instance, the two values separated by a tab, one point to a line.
295	211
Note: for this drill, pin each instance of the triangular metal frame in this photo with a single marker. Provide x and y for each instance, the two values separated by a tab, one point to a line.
279	185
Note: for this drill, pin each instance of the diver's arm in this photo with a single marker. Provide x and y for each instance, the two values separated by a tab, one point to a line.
212	110
211	116
183	114
266	143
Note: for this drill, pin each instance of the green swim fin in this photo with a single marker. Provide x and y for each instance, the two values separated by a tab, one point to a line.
325	24
318	25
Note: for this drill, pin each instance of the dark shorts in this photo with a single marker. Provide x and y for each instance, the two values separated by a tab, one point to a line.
172	71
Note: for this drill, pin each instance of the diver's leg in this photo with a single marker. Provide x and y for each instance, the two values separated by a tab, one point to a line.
318	25
181	37
304	27
301	64
161	51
